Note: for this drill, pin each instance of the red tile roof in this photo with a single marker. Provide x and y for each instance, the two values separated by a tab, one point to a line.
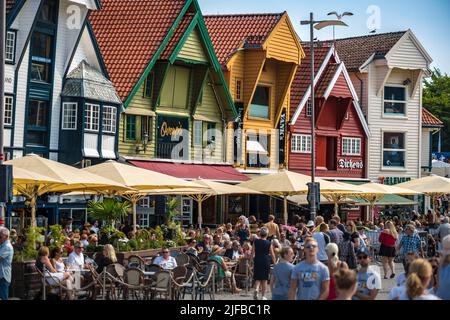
177	35
429	119
326	78
193	171
231	32
302	80
10	5
357	50
129	33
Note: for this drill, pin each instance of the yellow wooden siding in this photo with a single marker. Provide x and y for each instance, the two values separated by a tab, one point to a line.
254	62
139	102
282	45
230	143
193	48
175	90
237	72
129	148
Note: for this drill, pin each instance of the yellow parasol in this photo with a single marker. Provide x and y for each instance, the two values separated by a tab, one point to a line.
432	186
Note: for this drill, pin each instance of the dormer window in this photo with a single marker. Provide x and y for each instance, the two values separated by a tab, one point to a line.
395	100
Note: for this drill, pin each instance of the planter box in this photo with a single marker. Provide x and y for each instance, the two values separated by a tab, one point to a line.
25	283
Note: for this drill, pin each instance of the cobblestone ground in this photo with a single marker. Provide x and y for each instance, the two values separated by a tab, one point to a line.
387	285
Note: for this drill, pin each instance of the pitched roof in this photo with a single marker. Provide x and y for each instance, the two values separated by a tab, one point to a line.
429	119
357	50
302	79
86	82
176	37
10	5
231	32
326	79
129	33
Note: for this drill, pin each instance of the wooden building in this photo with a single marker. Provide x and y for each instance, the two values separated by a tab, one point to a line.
341	129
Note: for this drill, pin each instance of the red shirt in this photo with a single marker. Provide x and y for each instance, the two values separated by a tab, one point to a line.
387	239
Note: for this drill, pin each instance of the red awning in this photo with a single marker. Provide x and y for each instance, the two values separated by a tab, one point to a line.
220	173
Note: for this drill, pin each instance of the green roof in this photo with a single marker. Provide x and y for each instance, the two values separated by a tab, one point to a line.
387	201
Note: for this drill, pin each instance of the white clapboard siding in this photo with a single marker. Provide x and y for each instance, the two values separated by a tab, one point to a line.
7	137
66	38
91	145
426	147
23	23
108	143
19	119
9	78
85	51
377	124
407	56
361	89
73	29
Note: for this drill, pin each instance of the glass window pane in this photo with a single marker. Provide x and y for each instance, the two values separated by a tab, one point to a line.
69	116
394	158
130	132
8	110
37	113
394	93
394	107
394	140
10	40
259	107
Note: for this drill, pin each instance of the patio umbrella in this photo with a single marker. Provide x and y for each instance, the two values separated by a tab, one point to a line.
373	192
286	183
137	179
432	186
68	179
211	188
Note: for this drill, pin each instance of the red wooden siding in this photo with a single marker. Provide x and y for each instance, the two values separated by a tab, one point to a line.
341	89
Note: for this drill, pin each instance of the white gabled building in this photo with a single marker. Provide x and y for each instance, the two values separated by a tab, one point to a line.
387	72
47	40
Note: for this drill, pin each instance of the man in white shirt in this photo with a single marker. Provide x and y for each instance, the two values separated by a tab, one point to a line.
76	258
166	261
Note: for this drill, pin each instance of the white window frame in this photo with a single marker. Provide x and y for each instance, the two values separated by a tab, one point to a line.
8	110
309	108
301	143
109	119
238	89
383	167
92	117
144	202
73	125
405	102
10	46
353	144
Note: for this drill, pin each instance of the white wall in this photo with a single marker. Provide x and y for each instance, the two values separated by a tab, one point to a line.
85	51
425	147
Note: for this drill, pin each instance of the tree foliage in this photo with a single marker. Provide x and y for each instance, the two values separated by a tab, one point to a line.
436	98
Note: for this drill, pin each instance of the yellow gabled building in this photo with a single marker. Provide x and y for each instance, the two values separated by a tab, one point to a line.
259	55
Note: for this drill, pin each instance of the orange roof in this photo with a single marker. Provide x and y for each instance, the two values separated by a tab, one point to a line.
231	32
129	33
429	119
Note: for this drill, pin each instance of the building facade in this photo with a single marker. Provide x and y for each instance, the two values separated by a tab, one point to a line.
431	132
48	40
341	129
387	72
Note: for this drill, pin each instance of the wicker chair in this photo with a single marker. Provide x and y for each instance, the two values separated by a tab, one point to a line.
162	285
135	261
205	283
244	272
182	259
134	283
178	275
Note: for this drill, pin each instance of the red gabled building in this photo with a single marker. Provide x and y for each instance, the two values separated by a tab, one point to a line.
341	129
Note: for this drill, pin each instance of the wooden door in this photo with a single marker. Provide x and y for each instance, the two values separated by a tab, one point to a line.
321	152
331	153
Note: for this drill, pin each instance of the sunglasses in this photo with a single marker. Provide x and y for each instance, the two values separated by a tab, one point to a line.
362	257
310	246
165	251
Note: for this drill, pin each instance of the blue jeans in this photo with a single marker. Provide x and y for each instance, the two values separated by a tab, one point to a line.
4	289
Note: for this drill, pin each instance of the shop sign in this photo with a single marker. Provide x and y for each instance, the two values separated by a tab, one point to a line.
390	181
350	164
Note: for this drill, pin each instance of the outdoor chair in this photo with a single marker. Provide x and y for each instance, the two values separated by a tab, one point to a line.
178	275
50	285
133	283
218	281
203	256
135	261
115	273
182	259
162	285
188	283
205	283
244	273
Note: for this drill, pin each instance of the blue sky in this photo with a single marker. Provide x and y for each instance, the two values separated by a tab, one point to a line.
429	20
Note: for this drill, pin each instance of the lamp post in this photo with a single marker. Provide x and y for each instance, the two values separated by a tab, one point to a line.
314	188
339	17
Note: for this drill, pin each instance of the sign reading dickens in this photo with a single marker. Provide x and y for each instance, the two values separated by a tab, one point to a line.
170	134
350	164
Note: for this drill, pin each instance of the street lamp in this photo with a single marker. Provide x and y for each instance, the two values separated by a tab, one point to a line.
339	17
314	188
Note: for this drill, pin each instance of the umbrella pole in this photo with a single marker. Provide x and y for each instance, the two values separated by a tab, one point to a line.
33	212
134	201
285	210
200	218
336	206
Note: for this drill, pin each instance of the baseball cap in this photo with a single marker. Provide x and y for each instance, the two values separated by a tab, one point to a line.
363	250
